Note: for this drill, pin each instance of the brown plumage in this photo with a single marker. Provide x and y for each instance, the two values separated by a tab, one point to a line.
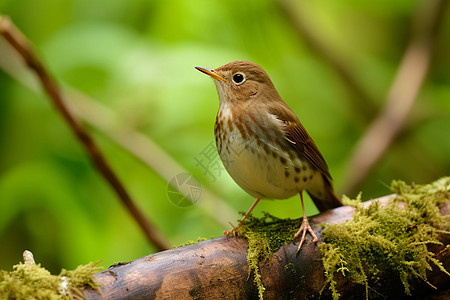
262	143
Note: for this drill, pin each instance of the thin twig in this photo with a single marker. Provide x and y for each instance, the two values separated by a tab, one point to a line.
362	102
19	42
108	124
147	151
404	90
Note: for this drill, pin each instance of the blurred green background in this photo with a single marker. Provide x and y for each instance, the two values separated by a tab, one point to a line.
137	58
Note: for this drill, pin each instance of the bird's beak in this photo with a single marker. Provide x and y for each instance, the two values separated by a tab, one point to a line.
211	73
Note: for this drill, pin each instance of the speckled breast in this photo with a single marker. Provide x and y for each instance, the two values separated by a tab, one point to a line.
258	157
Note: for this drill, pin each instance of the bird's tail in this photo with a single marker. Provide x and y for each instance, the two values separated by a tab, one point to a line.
323	196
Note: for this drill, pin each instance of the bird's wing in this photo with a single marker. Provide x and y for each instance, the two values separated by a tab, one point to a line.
299	139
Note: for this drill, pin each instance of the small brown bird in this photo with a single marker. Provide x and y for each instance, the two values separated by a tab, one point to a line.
262	143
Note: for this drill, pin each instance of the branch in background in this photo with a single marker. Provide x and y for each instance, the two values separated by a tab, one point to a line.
362	102
404	90
142	147
107	123
19	42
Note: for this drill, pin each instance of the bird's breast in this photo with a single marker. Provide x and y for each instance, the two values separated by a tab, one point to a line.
258	157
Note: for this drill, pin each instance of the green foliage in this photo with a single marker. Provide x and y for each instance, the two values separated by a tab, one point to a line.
136	58
382	242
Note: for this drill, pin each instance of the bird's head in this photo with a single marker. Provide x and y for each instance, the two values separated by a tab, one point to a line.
240	81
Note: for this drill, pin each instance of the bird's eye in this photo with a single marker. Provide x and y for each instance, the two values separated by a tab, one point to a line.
238	78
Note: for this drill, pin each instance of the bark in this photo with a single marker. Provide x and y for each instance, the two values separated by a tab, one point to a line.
218	269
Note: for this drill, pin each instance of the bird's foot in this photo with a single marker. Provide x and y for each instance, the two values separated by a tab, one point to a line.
233	231
305	227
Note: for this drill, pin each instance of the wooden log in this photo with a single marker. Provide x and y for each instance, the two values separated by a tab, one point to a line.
218	269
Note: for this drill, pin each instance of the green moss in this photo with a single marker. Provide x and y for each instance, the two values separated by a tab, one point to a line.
380	241
390	240
258	250
81	277
191	242
276	231
265	236
28	280
352	202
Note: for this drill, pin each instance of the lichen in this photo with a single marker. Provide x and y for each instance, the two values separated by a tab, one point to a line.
388	240
31	280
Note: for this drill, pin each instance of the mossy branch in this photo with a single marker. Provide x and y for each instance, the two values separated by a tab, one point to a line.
389	247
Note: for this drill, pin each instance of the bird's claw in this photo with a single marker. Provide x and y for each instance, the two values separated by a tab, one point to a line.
231	233
305	227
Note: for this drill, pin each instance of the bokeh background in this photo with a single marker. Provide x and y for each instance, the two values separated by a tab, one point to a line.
128	67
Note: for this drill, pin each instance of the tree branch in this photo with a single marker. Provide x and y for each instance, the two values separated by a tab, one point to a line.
19	42
149	153
362	102
218	269
106	122
404	90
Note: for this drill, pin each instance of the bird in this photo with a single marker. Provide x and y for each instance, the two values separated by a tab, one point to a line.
264	146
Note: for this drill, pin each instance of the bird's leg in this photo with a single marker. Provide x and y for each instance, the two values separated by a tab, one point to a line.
304	228
232	231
